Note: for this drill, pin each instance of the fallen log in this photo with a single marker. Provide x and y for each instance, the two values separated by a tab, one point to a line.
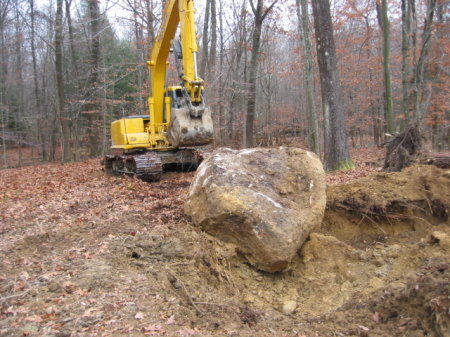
440	159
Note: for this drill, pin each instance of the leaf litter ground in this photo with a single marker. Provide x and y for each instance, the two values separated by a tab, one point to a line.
85	254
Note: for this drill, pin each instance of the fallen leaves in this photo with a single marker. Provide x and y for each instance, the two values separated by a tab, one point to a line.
34	318
153	329
187	332
170	320
55	219
367	161
47	197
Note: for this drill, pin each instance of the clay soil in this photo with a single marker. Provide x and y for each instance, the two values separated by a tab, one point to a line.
86	254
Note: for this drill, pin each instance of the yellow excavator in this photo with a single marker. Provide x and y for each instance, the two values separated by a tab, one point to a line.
144	145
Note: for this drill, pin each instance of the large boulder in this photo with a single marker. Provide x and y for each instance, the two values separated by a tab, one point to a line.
266	201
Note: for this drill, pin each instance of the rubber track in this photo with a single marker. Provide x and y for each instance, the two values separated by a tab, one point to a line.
148	167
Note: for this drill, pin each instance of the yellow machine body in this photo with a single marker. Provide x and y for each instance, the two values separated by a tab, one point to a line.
134	132
128	133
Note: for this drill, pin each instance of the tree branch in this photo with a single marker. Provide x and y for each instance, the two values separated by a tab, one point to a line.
253	7
268	10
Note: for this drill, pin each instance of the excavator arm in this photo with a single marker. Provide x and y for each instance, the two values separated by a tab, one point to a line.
191	124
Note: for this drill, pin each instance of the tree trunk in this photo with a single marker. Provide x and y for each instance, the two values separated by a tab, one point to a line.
442	132
73	54
224	136
251	96
104	108
412	6
139	37
150	20
259	15
213	48
64	123
19	85
313	124
4	9
5	159
406	71
37	96
93	116
420	93
337	156
385	27
205	40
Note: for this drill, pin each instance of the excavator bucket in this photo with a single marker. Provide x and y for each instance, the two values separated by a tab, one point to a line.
190	128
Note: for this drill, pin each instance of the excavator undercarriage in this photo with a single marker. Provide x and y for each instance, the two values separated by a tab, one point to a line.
150	165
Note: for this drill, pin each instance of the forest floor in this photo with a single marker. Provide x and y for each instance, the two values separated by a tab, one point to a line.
86	254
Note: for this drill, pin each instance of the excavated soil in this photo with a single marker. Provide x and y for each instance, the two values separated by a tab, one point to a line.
105	256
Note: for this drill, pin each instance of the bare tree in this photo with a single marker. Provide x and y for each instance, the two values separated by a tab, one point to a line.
63	120
93	108
420	93
237	71
313	124
406	59
385	27
205	39
259	15
73	53
4	10
213	48
37	95
337	156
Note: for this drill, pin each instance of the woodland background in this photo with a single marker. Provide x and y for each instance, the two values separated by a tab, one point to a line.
70	67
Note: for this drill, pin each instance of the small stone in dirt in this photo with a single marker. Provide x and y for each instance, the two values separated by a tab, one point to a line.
266	201
98	274
248	316
440	238
289	307
54	287
174	281
248	299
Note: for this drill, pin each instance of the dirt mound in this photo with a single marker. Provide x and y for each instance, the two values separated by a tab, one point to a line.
386	204
378	267
420	188
422	303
